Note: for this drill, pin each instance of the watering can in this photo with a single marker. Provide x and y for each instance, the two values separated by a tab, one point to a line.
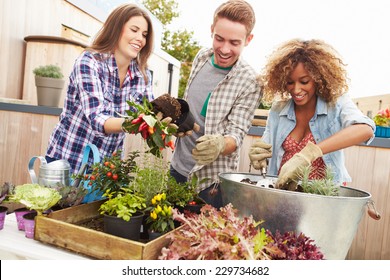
50	173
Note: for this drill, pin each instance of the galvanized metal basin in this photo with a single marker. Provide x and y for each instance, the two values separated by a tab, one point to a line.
330	221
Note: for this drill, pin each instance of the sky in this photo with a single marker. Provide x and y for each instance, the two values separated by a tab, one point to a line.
357	29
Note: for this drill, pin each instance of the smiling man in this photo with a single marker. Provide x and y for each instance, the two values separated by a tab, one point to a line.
222	93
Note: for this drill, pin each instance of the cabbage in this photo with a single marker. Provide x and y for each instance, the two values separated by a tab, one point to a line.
35	197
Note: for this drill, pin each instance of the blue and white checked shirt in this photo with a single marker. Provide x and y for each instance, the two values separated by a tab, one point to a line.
93	96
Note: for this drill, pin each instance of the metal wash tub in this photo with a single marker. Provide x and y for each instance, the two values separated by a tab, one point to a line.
330	221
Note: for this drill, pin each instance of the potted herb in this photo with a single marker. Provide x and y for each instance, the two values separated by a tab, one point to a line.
150	177
184	196
49	82
123	213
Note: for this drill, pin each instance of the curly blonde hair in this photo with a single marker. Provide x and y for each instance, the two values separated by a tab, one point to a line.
319	58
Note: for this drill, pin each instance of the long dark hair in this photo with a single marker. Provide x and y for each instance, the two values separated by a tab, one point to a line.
107	38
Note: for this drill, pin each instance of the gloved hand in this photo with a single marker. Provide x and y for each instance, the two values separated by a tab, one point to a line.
196	128
258	154
208	148
167	120
292	169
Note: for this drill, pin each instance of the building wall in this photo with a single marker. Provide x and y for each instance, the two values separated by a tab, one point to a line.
370	105
58	18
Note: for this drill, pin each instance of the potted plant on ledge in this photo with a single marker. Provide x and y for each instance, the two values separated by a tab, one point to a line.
382	121
49	82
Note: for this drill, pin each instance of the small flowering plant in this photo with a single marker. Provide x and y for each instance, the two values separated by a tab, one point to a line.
156	132
112	173
382	118
161	216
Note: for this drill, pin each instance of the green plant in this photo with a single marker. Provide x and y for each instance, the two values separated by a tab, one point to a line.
123	205
160	218
382	118
35	197
6	189
112	173
150	177
157	133
325	186
224	235
71	196
182	194
49	71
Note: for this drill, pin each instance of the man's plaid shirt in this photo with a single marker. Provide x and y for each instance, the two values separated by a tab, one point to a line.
230	112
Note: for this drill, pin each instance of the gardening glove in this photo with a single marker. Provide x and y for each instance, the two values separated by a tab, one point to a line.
258	154
167	120
196	128
292	170
208	148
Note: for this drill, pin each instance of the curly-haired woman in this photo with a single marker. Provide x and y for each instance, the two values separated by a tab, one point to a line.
311	119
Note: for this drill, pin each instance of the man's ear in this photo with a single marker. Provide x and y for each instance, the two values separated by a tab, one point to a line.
212	30
248	39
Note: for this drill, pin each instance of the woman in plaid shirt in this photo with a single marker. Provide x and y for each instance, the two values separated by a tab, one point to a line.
107	74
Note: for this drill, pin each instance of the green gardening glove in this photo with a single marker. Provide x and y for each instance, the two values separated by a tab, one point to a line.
258	154
292	170
208	148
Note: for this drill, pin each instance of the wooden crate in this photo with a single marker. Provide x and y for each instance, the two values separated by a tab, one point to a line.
60	228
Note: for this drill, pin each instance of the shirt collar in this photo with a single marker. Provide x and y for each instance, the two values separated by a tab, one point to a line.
288	110
134	70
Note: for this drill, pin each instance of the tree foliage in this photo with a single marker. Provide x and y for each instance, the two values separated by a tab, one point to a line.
178	43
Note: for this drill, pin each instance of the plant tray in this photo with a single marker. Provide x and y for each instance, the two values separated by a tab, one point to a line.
61	228
382	131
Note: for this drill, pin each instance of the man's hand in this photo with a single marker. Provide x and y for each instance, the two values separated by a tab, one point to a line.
292	169
167	120
196	128
258	154
208	148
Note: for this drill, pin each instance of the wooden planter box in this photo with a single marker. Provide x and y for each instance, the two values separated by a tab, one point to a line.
60	228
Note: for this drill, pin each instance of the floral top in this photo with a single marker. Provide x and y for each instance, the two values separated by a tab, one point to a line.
94	95
291	147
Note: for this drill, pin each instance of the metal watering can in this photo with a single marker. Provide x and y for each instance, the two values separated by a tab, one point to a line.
50	173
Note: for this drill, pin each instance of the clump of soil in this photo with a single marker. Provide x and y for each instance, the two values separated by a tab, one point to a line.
168	105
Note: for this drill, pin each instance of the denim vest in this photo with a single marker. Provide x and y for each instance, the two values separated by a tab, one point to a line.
327	120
